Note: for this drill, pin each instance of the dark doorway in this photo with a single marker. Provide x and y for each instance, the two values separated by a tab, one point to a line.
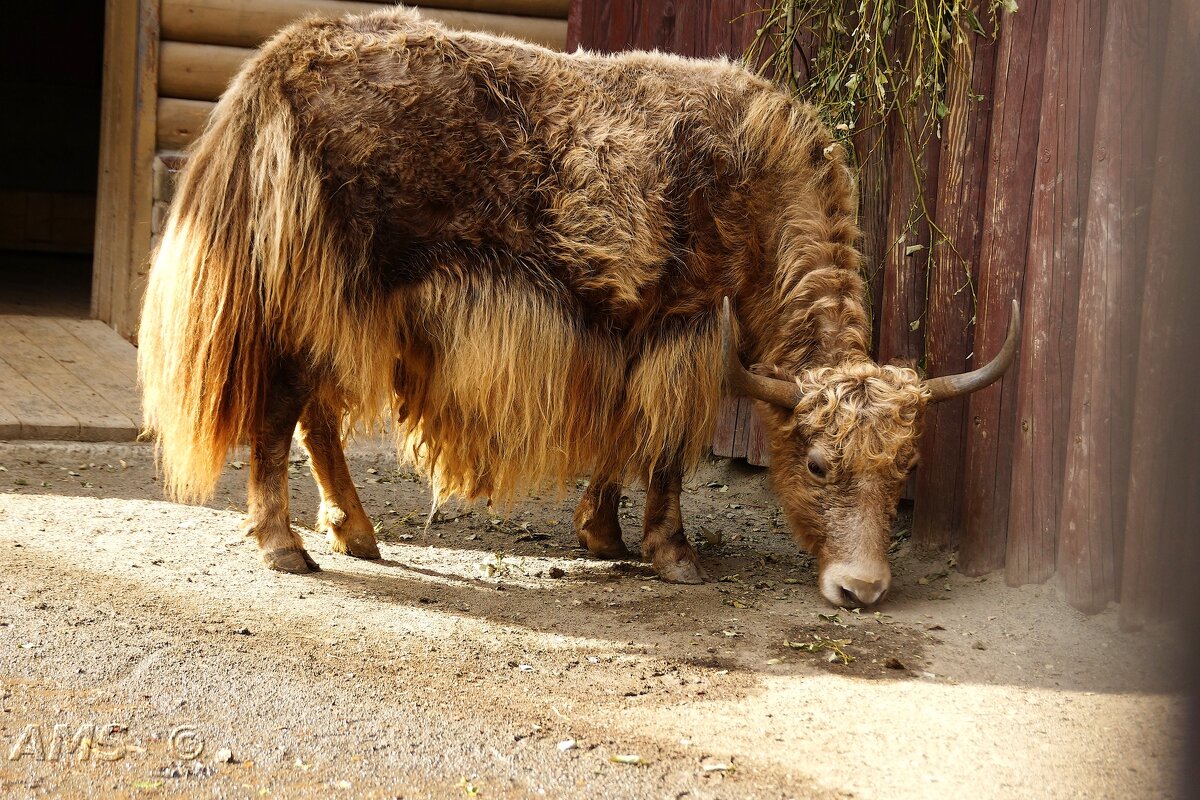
51	58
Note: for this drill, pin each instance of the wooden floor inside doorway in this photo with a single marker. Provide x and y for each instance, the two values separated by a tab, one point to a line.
66	379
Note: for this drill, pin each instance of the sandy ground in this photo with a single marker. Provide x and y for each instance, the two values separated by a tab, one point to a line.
490	657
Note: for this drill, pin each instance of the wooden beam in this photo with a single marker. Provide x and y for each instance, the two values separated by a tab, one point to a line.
574	26
198	71
128	313
722	444
124	197
873	151
902	310
901	305
248	23
555	9
115	174
180	121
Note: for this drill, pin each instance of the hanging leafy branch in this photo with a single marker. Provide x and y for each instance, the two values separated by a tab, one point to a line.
863	61
871	65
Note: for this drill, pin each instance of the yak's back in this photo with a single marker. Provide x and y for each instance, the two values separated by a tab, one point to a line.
580	161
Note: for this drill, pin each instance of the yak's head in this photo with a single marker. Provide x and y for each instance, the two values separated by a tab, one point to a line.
843	440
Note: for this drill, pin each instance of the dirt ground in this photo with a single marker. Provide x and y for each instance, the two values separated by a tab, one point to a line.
488	656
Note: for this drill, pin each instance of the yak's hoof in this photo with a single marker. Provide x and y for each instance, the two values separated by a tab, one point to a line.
607	549
360	546
297	561
685	571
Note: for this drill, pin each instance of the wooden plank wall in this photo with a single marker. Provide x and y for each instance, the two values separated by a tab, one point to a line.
1070	187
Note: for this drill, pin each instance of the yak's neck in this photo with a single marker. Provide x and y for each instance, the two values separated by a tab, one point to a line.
804	205
820	308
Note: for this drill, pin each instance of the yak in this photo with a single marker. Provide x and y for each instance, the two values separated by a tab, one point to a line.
520	258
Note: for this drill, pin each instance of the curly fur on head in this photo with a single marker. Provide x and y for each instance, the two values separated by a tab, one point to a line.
867	414
860	420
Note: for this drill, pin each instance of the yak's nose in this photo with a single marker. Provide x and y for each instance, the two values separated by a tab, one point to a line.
855	584
863	593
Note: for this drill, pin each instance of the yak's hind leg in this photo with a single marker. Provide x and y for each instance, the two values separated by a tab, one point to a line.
596	520
267	491
346	525
663	541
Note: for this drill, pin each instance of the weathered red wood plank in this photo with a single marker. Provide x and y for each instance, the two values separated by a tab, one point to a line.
758	449
873	152
906	255
1097	461
1051	290
991	418
903	308
962	166
726	423
575	25
1161	548
742	428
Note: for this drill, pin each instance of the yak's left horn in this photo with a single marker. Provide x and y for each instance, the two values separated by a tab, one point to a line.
741	381
955	385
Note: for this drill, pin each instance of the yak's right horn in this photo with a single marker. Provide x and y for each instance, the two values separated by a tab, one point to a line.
743	382
949	386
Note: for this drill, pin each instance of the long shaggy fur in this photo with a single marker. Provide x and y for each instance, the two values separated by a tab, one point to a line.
518	253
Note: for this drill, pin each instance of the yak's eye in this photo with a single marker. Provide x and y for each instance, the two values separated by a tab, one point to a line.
817	466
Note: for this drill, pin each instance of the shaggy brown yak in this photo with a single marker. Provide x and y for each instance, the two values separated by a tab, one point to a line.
521	255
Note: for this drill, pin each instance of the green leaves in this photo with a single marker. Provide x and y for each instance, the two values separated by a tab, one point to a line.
834	646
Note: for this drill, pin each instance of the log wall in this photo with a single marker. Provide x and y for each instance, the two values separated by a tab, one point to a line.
1070	186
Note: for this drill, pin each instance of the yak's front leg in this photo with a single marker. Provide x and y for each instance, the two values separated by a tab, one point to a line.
346	525
596	520
267	492
663	541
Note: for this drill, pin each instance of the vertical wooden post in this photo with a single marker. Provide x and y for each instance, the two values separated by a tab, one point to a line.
873	153
962	168
1017	105
1047	353
907	254
574	25
127	133
1097	461
1161	547
903	307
